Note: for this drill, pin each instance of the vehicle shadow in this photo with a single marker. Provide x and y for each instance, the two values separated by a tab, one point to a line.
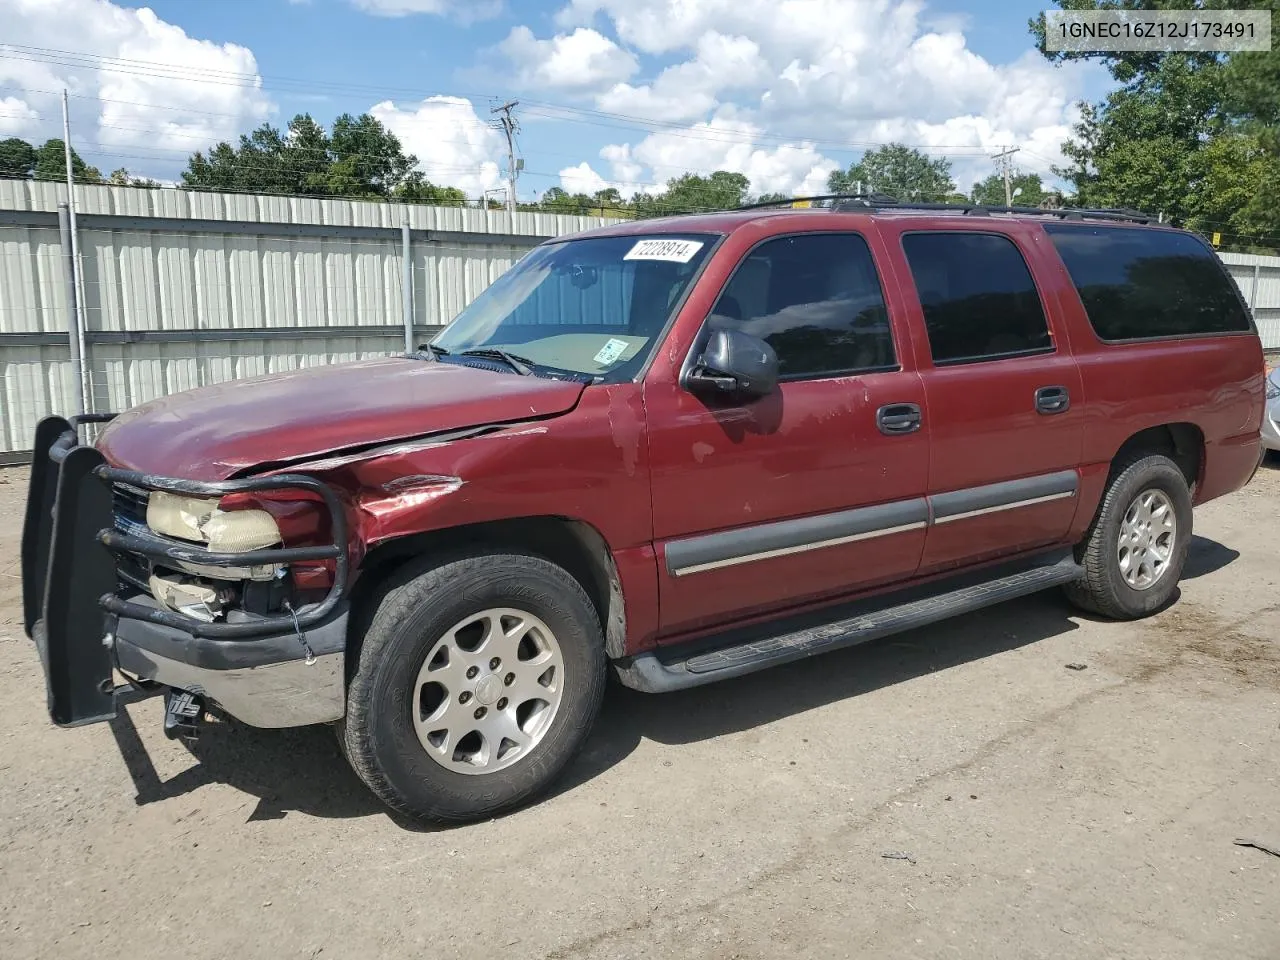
302	769
299	770
732	706
1206	556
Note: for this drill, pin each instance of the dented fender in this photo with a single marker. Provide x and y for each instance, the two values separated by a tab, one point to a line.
589	465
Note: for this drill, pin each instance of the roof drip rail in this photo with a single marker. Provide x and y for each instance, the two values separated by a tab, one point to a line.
861	200
877	202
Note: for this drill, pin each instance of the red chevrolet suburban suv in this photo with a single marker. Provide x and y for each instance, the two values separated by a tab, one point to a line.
684	449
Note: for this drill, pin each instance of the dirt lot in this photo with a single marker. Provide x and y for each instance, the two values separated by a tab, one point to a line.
1048	812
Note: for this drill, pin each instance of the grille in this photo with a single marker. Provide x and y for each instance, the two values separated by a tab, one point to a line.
129	509
129	515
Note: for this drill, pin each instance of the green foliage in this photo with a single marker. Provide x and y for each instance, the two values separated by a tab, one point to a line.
17	158
691	193
991	190
360	158
899	171
51	164
1194	137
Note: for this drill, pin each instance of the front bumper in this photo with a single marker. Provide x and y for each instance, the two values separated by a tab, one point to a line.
272	670
262	682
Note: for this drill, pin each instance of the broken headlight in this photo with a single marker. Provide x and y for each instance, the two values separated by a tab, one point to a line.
202	520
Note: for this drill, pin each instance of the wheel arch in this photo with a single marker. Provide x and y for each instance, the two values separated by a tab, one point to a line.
572	544
1181	442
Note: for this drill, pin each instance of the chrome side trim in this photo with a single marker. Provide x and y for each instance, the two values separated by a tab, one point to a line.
780	537
728	548
999	508
799	548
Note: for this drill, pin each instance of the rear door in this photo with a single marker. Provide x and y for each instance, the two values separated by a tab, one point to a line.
1003	393
799	495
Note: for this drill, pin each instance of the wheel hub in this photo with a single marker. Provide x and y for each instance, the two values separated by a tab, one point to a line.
1148	532
488	691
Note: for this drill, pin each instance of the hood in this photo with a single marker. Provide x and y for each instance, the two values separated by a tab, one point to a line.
212	433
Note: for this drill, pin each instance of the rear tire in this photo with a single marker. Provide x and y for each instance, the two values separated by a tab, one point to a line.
1134	552
479	679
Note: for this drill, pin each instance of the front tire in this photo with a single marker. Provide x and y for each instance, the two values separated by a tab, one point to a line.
479	679
1135	550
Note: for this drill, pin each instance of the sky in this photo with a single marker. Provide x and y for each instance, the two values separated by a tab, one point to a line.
623	93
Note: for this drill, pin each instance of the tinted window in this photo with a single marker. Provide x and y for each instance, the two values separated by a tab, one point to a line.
816	299
978	297
1148	283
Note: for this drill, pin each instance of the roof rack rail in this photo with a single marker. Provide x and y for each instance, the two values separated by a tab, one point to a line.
882	201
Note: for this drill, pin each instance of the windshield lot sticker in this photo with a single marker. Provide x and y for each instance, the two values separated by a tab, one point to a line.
611	351
677	251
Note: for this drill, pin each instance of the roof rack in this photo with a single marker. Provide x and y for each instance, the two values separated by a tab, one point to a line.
875	202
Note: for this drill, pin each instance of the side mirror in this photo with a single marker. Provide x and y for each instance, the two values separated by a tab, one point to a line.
734	363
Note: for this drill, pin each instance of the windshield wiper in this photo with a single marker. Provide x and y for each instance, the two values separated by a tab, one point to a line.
520	365
428	351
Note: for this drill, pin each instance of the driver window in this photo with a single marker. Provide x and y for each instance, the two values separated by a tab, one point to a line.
816	299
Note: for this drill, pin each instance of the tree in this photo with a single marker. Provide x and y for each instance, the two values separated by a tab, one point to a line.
361	158
17	158
417	188
899	171
51	164
691	193
990	191
373	153
1192	136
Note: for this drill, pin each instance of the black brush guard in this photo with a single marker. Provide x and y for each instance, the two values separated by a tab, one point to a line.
70	588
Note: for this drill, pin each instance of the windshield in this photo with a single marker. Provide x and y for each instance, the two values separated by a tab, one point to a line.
594	306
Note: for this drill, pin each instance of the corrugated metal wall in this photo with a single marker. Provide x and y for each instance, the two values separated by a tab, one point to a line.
1259	281
183	289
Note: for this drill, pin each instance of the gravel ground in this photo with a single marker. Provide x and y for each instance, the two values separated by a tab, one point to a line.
1046	811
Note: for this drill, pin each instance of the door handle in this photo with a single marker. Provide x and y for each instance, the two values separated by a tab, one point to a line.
896	418
1052	400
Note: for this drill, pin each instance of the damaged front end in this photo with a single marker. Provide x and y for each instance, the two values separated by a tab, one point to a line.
179	585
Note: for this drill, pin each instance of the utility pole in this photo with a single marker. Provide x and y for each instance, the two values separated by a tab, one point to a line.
77	306
1005	157
509	128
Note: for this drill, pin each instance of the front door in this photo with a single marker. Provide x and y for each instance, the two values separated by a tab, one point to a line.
1003	394
801	495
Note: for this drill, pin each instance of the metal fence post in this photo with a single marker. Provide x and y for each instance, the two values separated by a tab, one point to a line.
73	304
406	280
1253	291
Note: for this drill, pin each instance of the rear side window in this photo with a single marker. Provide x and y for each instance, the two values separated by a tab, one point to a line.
1140	284
816	300
978	297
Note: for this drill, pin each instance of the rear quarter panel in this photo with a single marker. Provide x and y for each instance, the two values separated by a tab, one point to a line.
1213	382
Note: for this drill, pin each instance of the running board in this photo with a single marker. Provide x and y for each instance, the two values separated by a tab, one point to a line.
652	674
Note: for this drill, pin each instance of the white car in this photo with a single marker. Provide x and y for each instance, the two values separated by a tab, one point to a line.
1271	417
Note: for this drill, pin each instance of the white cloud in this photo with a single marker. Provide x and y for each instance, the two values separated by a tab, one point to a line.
462	9
824	74
579	60
454	147
16	117
582	179
141	82
688	90
722	143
